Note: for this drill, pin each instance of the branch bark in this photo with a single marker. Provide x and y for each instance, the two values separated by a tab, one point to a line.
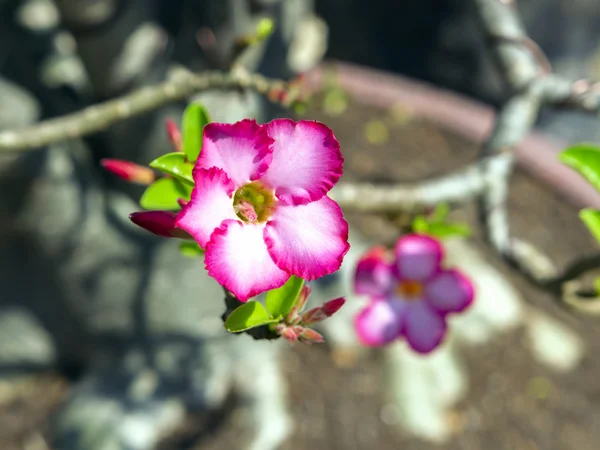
101	116
527	73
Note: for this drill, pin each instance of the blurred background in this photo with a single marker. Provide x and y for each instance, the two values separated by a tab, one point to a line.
111	340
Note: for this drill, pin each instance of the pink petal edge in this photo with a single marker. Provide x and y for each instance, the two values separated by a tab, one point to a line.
237	257
242	149
307	161
209	206
310	240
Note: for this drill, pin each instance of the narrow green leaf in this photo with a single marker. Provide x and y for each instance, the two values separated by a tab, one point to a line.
420	224
591	218
190	249
444	230
437	225
175	164
440	229
249	315
279	301
441	212
163	194
195	117
585	158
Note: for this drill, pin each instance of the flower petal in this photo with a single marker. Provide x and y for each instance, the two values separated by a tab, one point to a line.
449	291
380	322
209	205
373	274
418	257
310	240
237	258
307	160
242	149
423	327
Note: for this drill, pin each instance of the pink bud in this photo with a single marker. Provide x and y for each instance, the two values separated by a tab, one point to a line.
182	202
333	306
312	316
132	172
298	80
161	223
291	334
322	312
174	134
274	94
310	336
293	316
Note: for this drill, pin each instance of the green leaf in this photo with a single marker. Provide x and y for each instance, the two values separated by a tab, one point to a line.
420	225
444	230
441	212
597	286
265	28
437	226
190	249
591	218
163	194
585	158
249	315
195	117
175	164
279	301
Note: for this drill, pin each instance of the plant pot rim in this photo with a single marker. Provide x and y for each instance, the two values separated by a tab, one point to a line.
537	153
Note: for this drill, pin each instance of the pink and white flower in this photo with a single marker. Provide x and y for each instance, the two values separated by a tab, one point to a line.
410	294
260	208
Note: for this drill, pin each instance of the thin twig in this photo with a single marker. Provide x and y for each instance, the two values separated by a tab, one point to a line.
457	187
101	116
527	73
502	27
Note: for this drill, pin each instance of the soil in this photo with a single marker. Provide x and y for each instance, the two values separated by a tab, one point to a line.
499	413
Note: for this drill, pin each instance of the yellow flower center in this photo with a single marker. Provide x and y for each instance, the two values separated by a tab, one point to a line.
254	202
409	290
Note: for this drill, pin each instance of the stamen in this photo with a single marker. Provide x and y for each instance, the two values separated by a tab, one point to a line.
254	202
409	289
245	211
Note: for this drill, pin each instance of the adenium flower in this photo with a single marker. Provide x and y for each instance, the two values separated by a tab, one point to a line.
260	208
410	294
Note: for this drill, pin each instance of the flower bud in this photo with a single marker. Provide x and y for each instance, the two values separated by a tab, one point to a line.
129	171
291	334
293	317
160	223
333	306
310	336
298	79
322	312
174	134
